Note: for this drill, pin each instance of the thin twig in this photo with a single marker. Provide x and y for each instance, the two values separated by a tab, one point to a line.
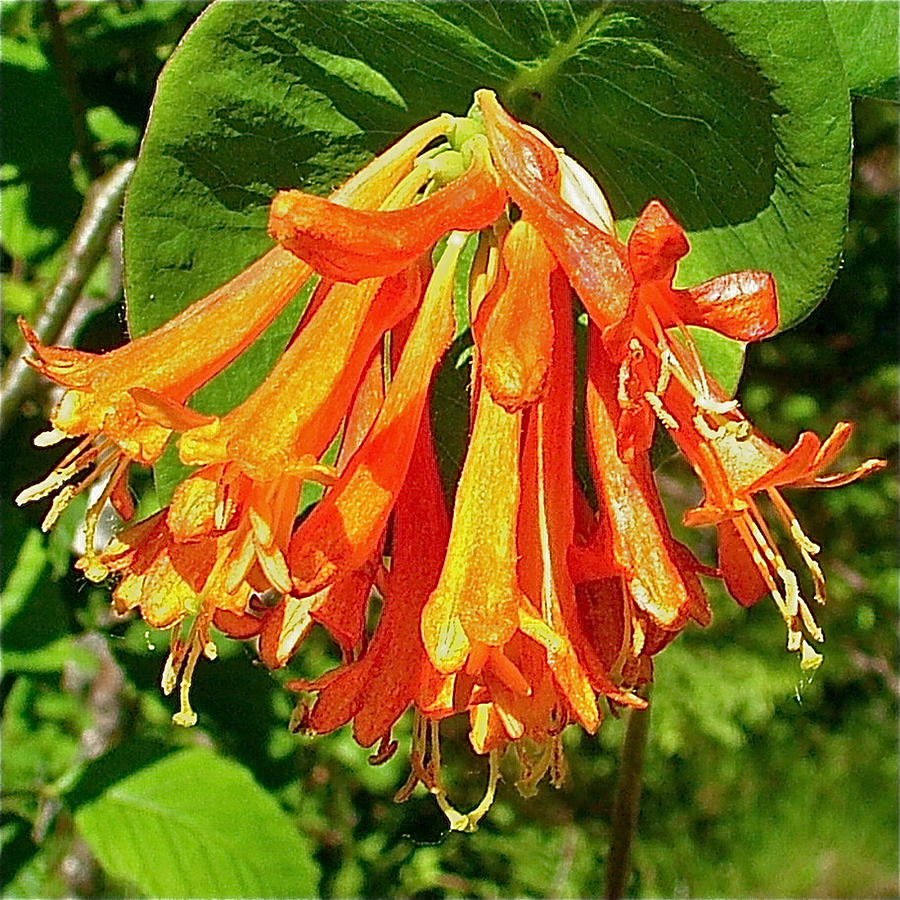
88	243
627	803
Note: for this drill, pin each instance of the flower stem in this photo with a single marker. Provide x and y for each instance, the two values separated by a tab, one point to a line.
627	802
526	90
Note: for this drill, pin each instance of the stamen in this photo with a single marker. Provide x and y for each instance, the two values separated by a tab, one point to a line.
531	770
637	637
299	717
691	373
808	548
766	561
666	360
69	492
719	407
468	822
791	605
95	570
417	752
558	768
173	662
185	715
58	506
386	749
74	463
624	374
197	642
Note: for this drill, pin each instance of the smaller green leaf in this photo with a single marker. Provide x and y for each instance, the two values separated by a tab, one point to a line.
110	130
197	825
30	563
39	201
50	658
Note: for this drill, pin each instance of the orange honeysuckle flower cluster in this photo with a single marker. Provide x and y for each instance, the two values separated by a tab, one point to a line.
528	603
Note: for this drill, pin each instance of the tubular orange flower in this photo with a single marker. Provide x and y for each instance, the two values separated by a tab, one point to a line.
652	342
246	493
340	608
662	375
127	401
649	559
514	326
735	463
593	260
170	581
546	529
349	245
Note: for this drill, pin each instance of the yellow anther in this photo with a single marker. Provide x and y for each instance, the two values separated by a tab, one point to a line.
706	431
657	406
637	637
804	544
666	363
49	438
809	658
624	374
710	404
57	507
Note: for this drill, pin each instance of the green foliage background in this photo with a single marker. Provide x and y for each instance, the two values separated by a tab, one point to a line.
757	782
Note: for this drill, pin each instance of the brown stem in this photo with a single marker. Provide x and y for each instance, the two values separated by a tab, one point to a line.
66	68
627	802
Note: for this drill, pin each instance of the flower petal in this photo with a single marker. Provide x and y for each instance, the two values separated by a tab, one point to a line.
478	596
740	305
655	244
351	244
594	261
514	327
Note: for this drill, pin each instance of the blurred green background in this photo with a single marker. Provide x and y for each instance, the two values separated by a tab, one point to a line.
758	782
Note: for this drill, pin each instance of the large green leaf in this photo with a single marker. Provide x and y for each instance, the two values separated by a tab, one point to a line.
866	34
197	825
733	113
